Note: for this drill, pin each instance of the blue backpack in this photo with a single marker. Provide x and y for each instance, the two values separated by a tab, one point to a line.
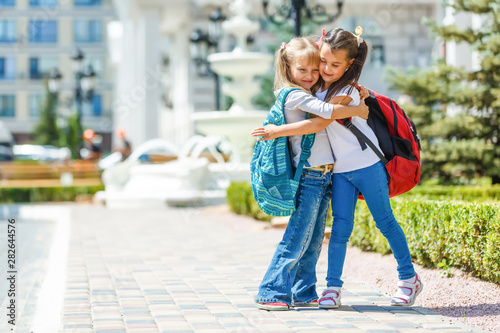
274	178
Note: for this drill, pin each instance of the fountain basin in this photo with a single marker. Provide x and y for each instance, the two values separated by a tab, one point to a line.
240	64
236	126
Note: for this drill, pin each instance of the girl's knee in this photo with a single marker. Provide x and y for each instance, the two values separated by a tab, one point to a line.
339	238
387	224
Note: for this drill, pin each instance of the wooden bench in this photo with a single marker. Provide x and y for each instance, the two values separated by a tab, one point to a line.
80	169
168	158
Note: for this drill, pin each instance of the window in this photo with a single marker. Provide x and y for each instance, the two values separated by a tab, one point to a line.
39	67
35	104
92	108
7	31
7	105
7	3
43	31
43	3
87	3
88	31
7	68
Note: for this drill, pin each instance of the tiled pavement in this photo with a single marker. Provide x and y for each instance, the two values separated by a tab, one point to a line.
189	270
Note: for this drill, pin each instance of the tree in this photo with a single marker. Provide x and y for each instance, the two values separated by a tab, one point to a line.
464	145
46	132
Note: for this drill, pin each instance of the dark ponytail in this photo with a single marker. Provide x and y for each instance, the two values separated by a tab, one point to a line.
340	39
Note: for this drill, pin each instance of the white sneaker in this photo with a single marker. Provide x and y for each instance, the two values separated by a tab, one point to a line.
408	291
331	298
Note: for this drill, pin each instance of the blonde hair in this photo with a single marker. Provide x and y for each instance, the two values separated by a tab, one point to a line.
298	47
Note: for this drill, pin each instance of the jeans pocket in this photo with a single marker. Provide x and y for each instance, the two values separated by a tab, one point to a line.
313	175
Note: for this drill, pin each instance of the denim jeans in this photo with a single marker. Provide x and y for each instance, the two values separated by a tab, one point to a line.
291	276
372	182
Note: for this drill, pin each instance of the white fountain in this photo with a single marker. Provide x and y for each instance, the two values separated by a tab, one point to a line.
241	66
191	178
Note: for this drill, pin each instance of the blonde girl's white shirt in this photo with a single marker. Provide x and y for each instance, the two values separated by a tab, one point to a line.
297	103
348	153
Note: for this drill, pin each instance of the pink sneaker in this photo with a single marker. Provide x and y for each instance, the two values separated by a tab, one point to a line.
313	304
408	291
274	306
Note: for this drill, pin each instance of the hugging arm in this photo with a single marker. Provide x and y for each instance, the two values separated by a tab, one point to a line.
313	125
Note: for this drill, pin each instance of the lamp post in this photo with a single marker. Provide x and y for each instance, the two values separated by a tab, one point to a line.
84	89
54	87
202	44
293	10
54	81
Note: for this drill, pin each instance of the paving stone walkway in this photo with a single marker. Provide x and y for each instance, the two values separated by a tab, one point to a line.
173	270
32	242
185	270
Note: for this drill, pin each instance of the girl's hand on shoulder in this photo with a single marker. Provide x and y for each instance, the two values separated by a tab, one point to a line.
363	93
364	111
265	133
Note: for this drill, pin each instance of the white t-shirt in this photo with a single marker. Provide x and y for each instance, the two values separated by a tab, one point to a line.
297	103
345	146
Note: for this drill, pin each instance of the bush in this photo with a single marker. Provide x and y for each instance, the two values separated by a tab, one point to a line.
45	194
241	201
463	193
460	234
463	234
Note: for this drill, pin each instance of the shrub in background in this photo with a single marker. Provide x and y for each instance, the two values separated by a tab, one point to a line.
439	233
466	235
45	194
464	193
240	200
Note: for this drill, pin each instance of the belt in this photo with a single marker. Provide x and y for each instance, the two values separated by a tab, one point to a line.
323	168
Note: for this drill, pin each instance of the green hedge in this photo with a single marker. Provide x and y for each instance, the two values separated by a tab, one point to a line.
45	194
240	200
461	234
465	235
463	193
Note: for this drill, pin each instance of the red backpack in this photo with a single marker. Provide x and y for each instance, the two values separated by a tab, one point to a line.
397	138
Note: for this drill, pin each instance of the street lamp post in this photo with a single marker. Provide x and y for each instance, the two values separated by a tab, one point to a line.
84	89
54	81
293	10
85	78
202	44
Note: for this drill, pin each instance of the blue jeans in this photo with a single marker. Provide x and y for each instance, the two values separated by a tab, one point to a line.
291	276
372	182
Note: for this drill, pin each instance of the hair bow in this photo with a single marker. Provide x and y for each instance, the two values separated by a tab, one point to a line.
321	38
358	33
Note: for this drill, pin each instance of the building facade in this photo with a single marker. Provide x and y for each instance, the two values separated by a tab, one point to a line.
39	35
148	83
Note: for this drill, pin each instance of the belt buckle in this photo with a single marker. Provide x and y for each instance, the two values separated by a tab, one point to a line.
327	168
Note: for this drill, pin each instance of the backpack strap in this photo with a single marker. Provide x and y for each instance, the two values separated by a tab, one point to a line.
348	122
307	140
305	153
363	138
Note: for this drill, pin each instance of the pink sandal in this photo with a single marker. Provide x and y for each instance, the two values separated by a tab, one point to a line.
407	292
331	298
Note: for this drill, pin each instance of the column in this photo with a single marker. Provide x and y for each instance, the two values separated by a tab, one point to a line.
177	24
125	113
148	71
